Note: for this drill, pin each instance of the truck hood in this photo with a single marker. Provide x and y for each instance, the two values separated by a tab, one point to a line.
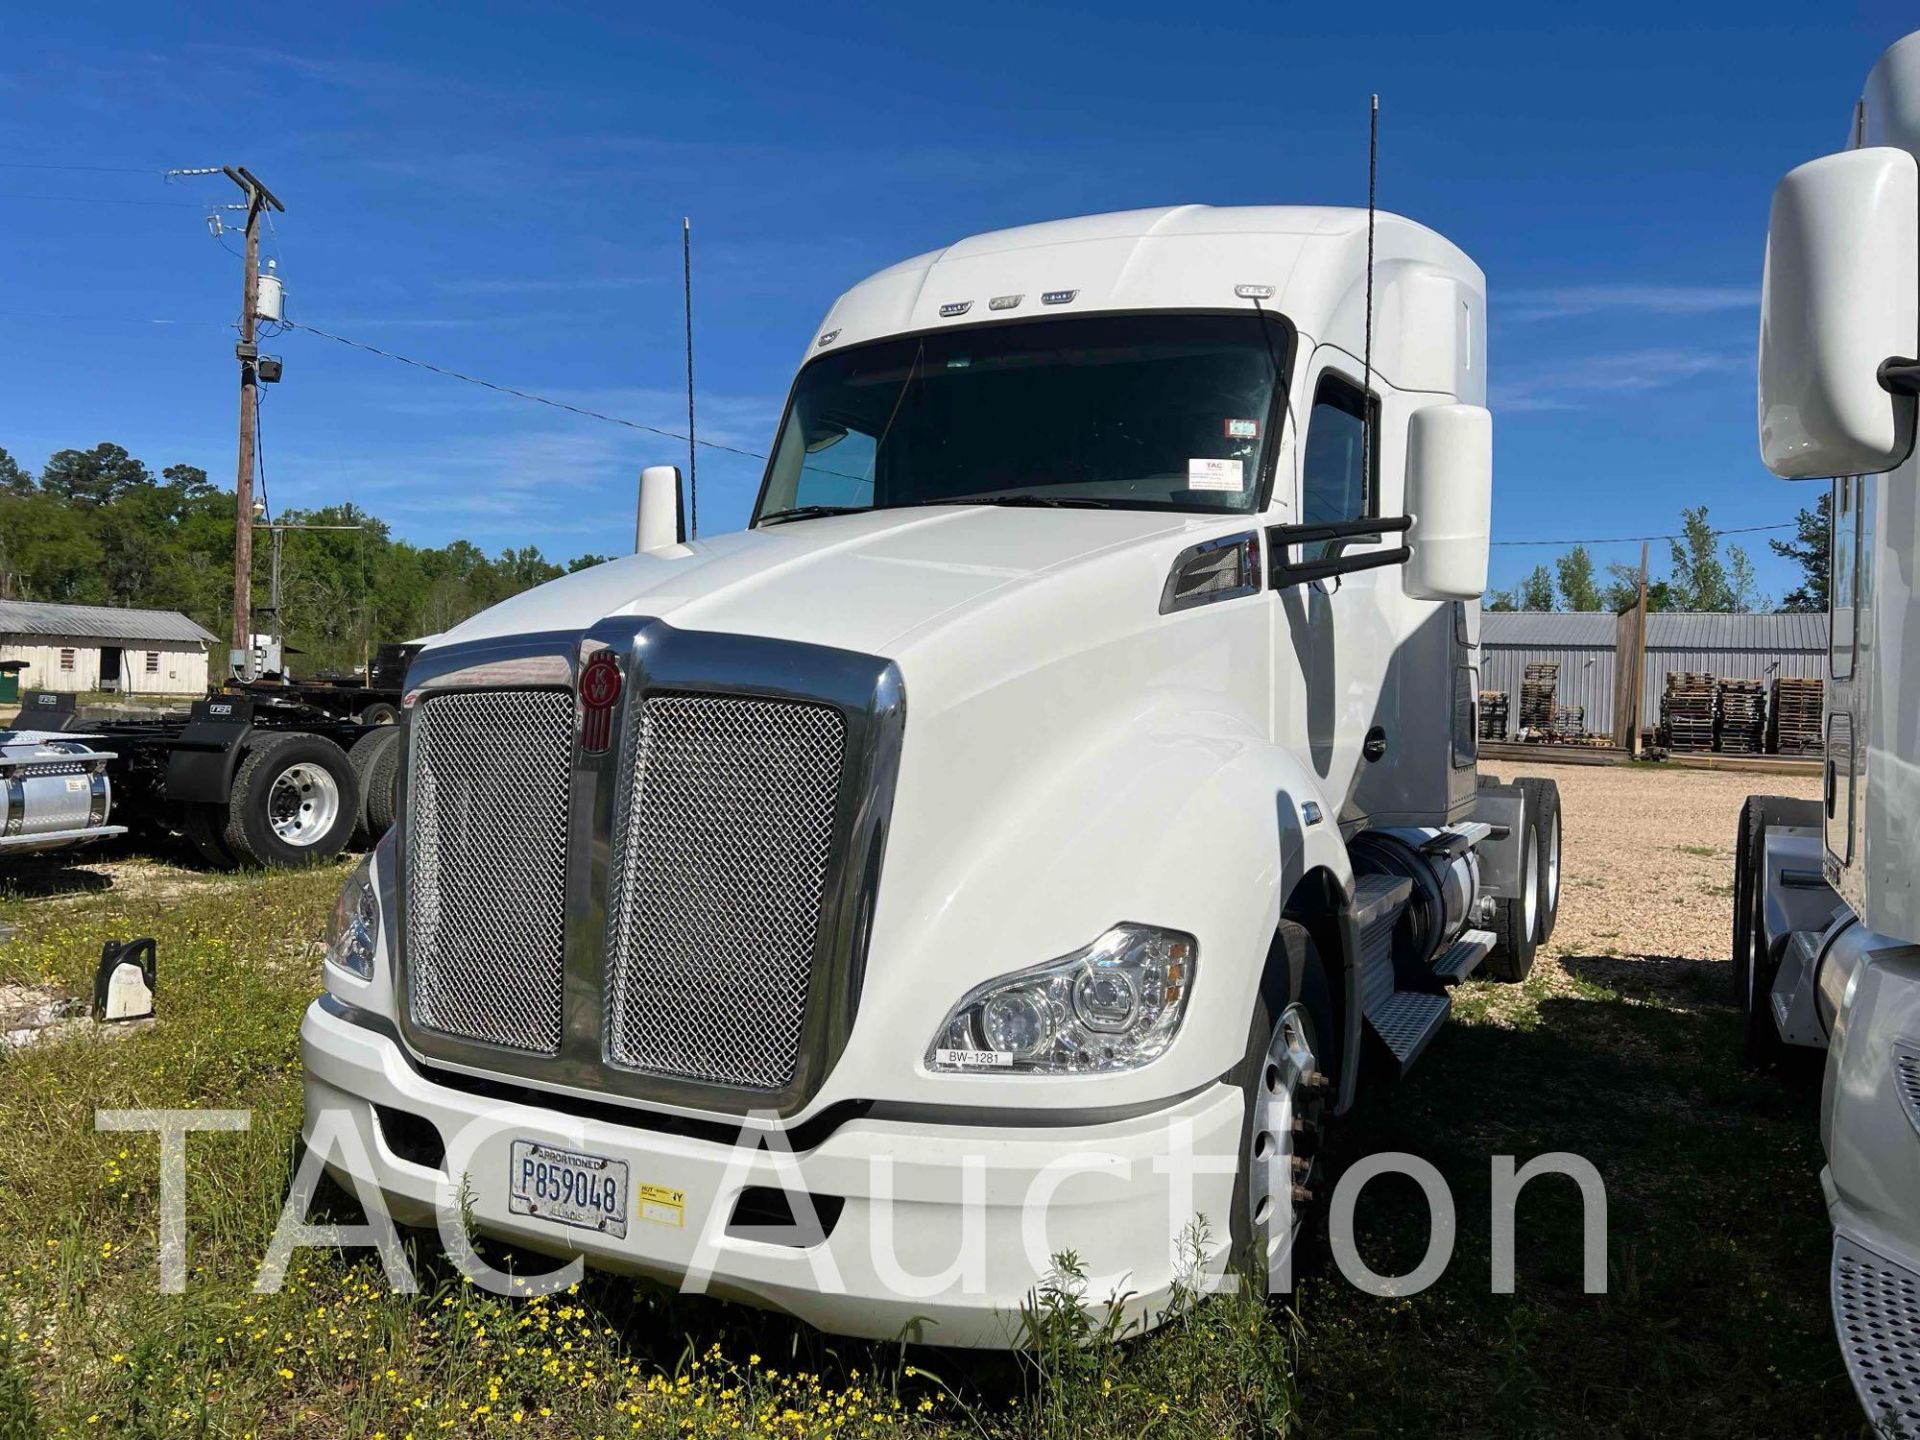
876	582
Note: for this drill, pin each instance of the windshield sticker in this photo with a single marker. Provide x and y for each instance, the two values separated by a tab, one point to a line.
1243	429
1215	475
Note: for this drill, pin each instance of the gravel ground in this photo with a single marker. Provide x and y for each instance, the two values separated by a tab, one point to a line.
1647	858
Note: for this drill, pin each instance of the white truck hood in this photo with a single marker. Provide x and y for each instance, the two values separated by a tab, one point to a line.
874	582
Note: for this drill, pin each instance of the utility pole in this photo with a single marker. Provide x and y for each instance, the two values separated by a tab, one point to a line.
248	353
1639	653
278	529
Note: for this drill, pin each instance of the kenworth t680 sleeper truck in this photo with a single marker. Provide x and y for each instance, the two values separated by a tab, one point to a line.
1826	931
1065	786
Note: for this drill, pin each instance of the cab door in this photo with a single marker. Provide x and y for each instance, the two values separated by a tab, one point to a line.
1336	628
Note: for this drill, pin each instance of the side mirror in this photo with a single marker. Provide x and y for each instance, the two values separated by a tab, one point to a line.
1841	299
1450	501
659	525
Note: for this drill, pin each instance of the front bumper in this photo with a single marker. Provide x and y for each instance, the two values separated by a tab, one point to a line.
944	1231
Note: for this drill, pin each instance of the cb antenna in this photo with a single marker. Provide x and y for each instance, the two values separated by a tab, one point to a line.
1366	360
686	280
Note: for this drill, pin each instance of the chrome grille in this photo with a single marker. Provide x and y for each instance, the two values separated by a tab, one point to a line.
486	865
724	834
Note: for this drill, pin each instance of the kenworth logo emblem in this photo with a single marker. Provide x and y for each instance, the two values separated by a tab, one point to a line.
599	689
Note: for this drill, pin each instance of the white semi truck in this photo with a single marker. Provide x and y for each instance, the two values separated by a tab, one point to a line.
1040	822
1826	933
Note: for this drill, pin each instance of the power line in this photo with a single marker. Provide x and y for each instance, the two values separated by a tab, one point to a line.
1638	539
518	394
92	169
110	200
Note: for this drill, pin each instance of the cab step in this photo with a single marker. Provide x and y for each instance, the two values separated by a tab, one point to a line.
1463	957
1406	1020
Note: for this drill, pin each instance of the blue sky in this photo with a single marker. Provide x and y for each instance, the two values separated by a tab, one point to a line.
501	193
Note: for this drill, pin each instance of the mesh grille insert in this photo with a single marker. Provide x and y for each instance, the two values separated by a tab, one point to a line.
1876	1310
723	838
487	865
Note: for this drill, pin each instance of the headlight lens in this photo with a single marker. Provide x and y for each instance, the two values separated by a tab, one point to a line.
353	935
1115	1005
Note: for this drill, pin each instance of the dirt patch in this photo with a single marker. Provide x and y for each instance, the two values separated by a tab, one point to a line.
34	1014
1648	855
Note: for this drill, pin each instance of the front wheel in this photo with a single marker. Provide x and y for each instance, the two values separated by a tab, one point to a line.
1286	1077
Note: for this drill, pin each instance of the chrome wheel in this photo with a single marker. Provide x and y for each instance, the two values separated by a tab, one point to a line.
303	804
1553	866
1530	889
1280	1160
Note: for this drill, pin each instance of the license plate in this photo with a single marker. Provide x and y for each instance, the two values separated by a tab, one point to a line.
589	1191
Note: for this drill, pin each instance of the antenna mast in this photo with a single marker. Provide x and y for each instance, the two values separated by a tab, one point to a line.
1373	169
686	279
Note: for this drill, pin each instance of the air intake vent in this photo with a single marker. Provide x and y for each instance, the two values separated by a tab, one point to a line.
1906	1080
486	865
723	839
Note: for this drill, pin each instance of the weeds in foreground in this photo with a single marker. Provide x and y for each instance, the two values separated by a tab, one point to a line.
1716	1323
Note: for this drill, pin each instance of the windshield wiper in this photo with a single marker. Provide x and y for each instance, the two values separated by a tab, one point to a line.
808	512
1051	502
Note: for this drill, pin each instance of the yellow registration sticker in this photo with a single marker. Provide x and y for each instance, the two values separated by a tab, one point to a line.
663	1206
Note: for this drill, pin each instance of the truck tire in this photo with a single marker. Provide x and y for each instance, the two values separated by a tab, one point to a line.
364	756
205	827
380	713
1286	1074
1543	803
383	787
1517	919
294	801
1753	964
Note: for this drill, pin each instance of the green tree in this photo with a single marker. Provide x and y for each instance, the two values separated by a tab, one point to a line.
1536	591
1809	549
1577	585
1623	589
13	479
92	477
99	528
1700	579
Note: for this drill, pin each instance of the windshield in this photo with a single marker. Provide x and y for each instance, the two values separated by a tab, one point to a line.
1158	411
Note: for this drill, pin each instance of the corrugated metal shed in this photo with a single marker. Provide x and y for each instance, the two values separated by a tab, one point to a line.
103	622
1751	647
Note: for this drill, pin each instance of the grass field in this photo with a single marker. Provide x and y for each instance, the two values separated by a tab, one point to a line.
1714	1323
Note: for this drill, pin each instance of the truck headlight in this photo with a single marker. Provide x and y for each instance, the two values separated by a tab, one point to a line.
1115	1005
353	934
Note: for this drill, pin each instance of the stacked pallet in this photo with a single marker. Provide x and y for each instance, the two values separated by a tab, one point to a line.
1493	714
1538	684
1794	724
1741	716
1686	710
1569	722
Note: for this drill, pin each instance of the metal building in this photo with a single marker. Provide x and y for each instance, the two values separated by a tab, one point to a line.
101	647
1746	647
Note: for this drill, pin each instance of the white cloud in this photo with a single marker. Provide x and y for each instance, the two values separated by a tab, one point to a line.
1564	302
1572	386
